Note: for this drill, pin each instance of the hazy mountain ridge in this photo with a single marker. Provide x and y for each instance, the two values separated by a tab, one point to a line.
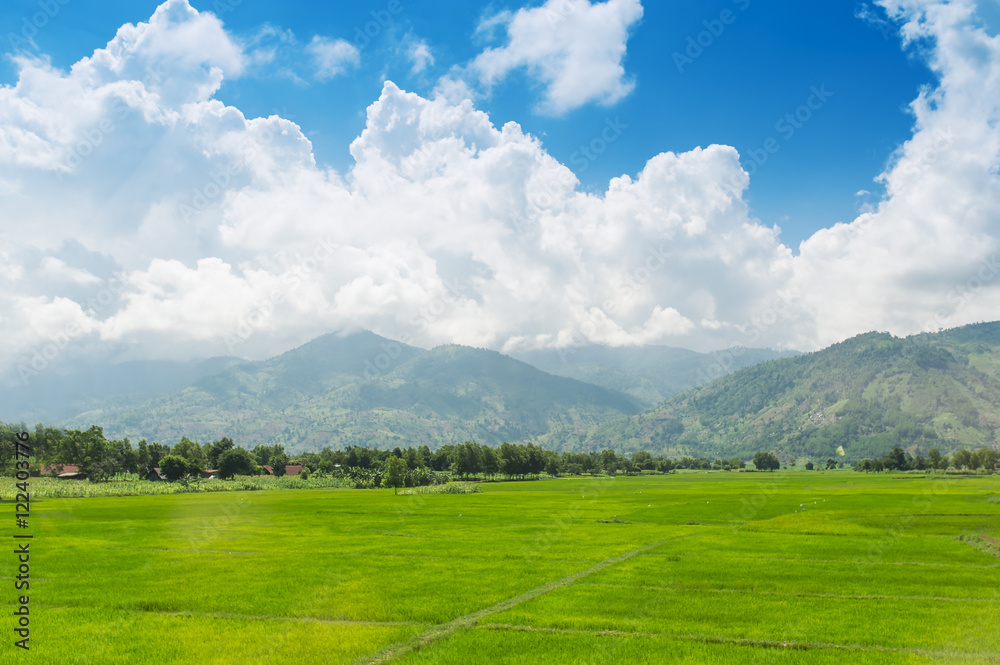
651	374
332	391
865	394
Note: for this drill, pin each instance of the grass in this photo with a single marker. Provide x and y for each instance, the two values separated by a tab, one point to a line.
694	568
52	488
447	488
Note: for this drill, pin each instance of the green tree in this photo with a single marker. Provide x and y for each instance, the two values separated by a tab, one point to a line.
236	461
895	459
988	458
278	463
394	473
766	462
552	463
465	459
215	450
643	460
157	451
962	459
609	461
142	456
491	465
174	467
193	453
809	466
934	457
511	460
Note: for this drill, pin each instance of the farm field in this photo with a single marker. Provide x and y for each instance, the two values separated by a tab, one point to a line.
692	568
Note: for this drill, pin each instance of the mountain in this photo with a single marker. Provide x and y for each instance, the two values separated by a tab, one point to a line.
363	389
651	374
57	394
866	394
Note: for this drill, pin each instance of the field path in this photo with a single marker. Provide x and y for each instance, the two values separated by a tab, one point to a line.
444	630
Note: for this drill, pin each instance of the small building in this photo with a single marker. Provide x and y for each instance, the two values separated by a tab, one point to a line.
290	469
155	474
63	471
210	473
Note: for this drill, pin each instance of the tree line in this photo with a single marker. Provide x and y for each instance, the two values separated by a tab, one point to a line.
101	459
897	459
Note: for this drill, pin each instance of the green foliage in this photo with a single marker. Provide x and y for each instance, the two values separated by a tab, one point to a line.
174	467
215	450
766	461
323	392
867	395
236	461
394	475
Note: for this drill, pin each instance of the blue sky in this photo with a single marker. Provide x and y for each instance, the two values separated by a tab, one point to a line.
186	179
760	68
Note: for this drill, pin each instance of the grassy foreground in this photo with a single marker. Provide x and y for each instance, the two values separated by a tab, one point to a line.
690	568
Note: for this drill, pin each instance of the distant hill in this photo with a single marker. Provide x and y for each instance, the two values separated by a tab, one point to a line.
367	390
58	393
866	394
650	374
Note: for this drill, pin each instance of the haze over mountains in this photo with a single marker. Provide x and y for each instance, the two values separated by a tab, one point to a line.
364	389
865	394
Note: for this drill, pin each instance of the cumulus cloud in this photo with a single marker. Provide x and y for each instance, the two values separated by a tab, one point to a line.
573	48
925	258
184	228
332	57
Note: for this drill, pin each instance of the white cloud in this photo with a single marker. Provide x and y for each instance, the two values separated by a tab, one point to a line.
924	258
573	48
420	55
332	57
230	239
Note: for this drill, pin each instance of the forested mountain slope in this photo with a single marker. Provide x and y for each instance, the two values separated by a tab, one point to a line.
865	395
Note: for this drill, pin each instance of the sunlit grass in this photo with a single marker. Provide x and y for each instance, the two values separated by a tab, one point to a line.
732	570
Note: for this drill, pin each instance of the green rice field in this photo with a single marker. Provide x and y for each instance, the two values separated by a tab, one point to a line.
789	567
